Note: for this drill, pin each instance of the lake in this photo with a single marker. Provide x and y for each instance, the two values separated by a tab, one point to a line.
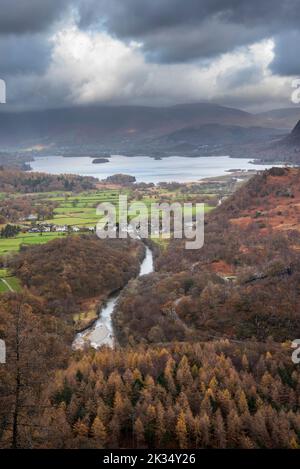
145	169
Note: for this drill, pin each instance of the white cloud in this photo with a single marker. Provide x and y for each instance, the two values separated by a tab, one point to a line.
93	67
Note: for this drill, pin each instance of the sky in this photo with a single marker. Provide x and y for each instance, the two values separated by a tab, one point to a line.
62	53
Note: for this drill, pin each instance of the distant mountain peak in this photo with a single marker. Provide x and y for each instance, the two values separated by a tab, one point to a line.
296	129
294	137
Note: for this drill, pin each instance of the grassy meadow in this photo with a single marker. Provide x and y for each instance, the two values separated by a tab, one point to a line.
80	210
8	282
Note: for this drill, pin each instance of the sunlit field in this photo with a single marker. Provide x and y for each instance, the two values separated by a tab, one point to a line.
80	210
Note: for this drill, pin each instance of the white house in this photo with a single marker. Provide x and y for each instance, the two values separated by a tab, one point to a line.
61	228
32	217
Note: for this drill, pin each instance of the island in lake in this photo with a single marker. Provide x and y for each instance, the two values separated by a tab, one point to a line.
100	160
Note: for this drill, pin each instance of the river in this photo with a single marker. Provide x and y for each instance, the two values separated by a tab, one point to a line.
101	332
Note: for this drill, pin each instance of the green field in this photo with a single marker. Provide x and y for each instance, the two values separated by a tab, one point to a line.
8	283
80	210
13	244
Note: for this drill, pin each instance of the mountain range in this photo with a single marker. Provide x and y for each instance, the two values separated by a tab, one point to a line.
188	128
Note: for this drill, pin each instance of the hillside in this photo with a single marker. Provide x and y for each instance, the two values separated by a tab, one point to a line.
293	138
284	118
285	149
111	125
242	283
80	271
98	124
217	134
199	129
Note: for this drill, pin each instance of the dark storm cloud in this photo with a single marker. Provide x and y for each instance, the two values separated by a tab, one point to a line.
42	70
31	92
178	45
249	75
183	30
286	61
23	16
23	54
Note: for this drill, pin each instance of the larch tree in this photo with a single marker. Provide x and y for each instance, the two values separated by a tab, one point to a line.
99	432
181	431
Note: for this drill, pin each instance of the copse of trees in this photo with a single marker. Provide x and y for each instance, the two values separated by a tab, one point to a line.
13	209
122	179
25	182
9	231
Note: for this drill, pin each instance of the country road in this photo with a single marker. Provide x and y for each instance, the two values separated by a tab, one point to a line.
7	284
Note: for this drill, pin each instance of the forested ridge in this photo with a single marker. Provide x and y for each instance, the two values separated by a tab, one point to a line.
211	395
67	271
26	182
243	283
